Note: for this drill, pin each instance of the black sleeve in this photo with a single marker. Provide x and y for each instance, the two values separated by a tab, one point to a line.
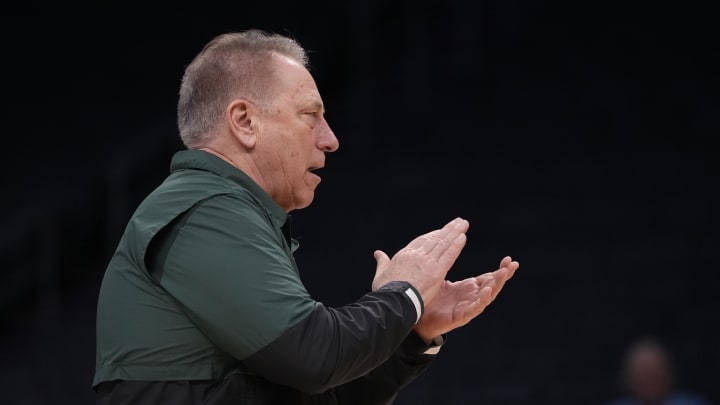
382	385
333	346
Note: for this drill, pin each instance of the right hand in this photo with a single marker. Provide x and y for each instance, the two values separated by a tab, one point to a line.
459	302
425	261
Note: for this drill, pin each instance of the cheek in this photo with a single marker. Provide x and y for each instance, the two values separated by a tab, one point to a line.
295	165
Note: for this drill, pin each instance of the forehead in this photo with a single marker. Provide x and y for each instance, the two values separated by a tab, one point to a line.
295	83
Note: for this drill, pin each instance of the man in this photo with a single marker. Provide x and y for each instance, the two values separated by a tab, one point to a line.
202	303
648	377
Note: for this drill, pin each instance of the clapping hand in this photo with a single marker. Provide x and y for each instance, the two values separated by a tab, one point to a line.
457	303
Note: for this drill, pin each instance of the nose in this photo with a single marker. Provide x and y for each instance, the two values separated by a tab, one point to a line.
326	139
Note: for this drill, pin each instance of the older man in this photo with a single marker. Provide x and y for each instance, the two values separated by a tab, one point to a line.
202	303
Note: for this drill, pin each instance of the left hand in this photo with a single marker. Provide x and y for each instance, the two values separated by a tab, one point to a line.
457	303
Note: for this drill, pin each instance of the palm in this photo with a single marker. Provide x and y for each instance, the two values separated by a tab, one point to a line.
457	303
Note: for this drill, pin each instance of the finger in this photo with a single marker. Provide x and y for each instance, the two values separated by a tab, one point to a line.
452	234
383	262
382	259
447	256
510	264
447	250
484	298
483	278
493	281
511	268
501	276
421	240
442	238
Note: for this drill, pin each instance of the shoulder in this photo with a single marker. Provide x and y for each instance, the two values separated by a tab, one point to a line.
239	212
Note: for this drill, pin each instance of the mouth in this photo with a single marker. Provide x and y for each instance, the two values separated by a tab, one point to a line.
313	172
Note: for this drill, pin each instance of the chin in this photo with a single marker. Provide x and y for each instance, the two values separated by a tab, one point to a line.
305	200
303	204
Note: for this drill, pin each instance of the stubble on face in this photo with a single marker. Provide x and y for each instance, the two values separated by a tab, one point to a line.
290	149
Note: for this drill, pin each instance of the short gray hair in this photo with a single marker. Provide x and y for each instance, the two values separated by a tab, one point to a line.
232	65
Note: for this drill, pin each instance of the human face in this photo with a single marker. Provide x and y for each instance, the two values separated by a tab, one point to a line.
649	375
293	136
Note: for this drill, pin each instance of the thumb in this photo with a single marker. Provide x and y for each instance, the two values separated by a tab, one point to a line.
383	261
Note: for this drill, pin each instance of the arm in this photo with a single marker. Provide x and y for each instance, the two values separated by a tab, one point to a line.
246	296
454	305
382	385
332	346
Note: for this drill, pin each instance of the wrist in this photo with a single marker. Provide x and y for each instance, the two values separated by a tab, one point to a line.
435	345
426	334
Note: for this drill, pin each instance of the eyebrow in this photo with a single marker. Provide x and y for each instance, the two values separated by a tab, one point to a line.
315	103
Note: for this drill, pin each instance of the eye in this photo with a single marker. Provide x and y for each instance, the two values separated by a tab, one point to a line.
313	116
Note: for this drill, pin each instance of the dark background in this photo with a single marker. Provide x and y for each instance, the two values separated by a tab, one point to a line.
578	138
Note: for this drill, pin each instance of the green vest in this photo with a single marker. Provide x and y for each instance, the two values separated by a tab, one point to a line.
197	277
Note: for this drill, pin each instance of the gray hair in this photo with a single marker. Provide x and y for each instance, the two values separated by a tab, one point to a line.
232	65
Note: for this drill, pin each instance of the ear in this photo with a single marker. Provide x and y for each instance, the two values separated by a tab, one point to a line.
241	115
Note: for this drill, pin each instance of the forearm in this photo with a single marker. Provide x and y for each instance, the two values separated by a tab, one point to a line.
382	385
333	346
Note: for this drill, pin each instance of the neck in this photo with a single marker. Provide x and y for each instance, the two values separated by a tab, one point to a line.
220	155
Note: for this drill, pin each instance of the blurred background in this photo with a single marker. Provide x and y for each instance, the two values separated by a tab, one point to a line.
578	138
